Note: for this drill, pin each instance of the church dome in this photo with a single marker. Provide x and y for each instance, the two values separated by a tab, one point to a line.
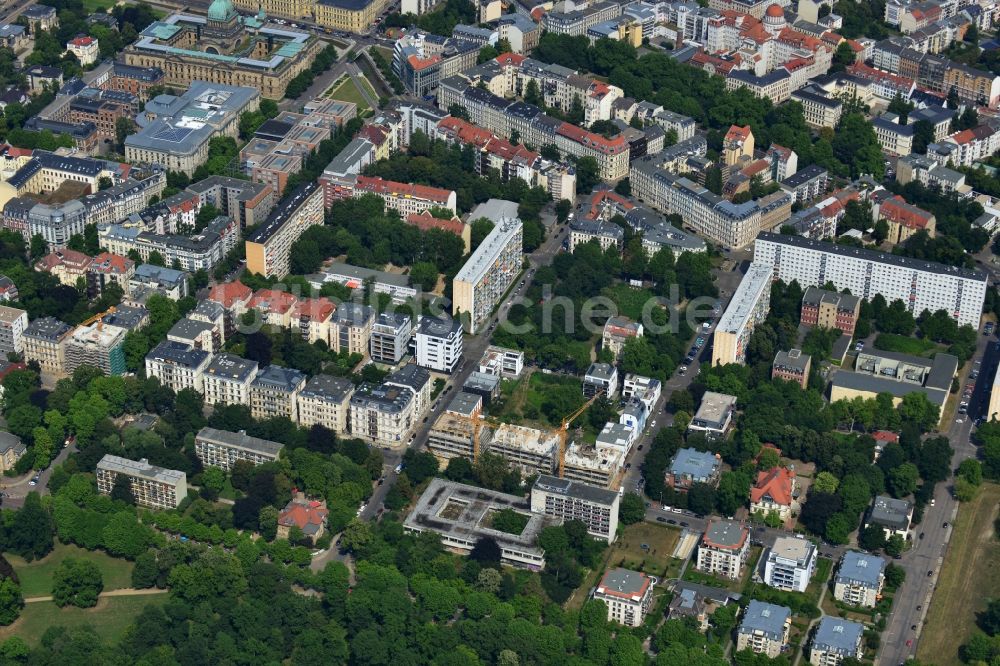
221	10
774	11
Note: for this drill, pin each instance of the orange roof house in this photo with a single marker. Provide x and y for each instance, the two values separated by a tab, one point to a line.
307	515
229	294
774	493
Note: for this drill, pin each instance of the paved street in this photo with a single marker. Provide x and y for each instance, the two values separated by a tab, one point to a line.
16	489
927	553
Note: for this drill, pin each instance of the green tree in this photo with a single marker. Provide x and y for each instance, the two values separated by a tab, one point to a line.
77	582
30	531
872	538
268	522
588	174
121	491
826	483
632	509
43	447
481	228
145	571
11	601
424	274
213	478
894	545
124	536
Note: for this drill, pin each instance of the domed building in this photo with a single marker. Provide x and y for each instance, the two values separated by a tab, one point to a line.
222	27
774	19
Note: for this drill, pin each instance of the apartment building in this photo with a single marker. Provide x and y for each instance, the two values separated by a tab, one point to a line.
247	203
65	264
819	109
904	219
860	579
312	317
227	379
627	594
382	415
178	366
222	448
502	362
830	309
606	234
107	268
201	251
489	273
723	549
774	493
618	331
749	307
894	516
565	499
13	323
274	393
44	341
599	466
790	564
351	328
405	198
930	173
234	298
439	343
836	639
269	247
792	366
921	285
11	450
390	337
325	400
764	629
600	378
152	487
720	220
966	147
531	450
100	346
714	415
453	432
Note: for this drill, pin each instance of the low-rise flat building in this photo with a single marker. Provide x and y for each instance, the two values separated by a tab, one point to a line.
790	564
596	507
860	579
325	400
836	639
460	514
690	466
714	415
502	362
896	374
627	594
222	448
764	629
723	549
152	487
227	379
274	393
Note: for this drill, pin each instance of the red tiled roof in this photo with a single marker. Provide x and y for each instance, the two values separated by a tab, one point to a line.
272	300
885	436
514	59
418	63
64	256
106	262
898	211
228	293
317	309
776	483
591	140
737	133
425	221
82	41
302	514
602	196
382	187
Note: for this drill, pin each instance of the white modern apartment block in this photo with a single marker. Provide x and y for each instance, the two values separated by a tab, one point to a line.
723	549
860	579
439	343
222	448
747	309
764	629
835	640
178	366
628	595
390	337
502	362
489	273
325	400
13	322
790	564
226	380
152	487
596	507
920	285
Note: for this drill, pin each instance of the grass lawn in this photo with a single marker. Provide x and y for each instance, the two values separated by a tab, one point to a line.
656	560
98	5
386	52
692	575
369	87
523	399
629	300
347	91
36	577
904	344
968	580
228	492
110	617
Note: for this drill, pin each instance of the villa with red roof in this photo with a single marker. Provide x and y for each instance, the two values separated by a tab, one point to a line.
234	298
66	264
425	221
307	515
274	306
773	493
86	49
313	317
904	218
107	268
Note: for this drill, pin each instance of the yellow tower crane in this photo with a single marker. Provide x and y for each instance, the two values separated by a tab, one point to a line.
563	431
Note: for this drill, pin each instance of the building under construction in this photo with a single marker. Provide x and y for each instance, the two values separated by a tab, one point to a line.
97	345
595	465
534	451
451	437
